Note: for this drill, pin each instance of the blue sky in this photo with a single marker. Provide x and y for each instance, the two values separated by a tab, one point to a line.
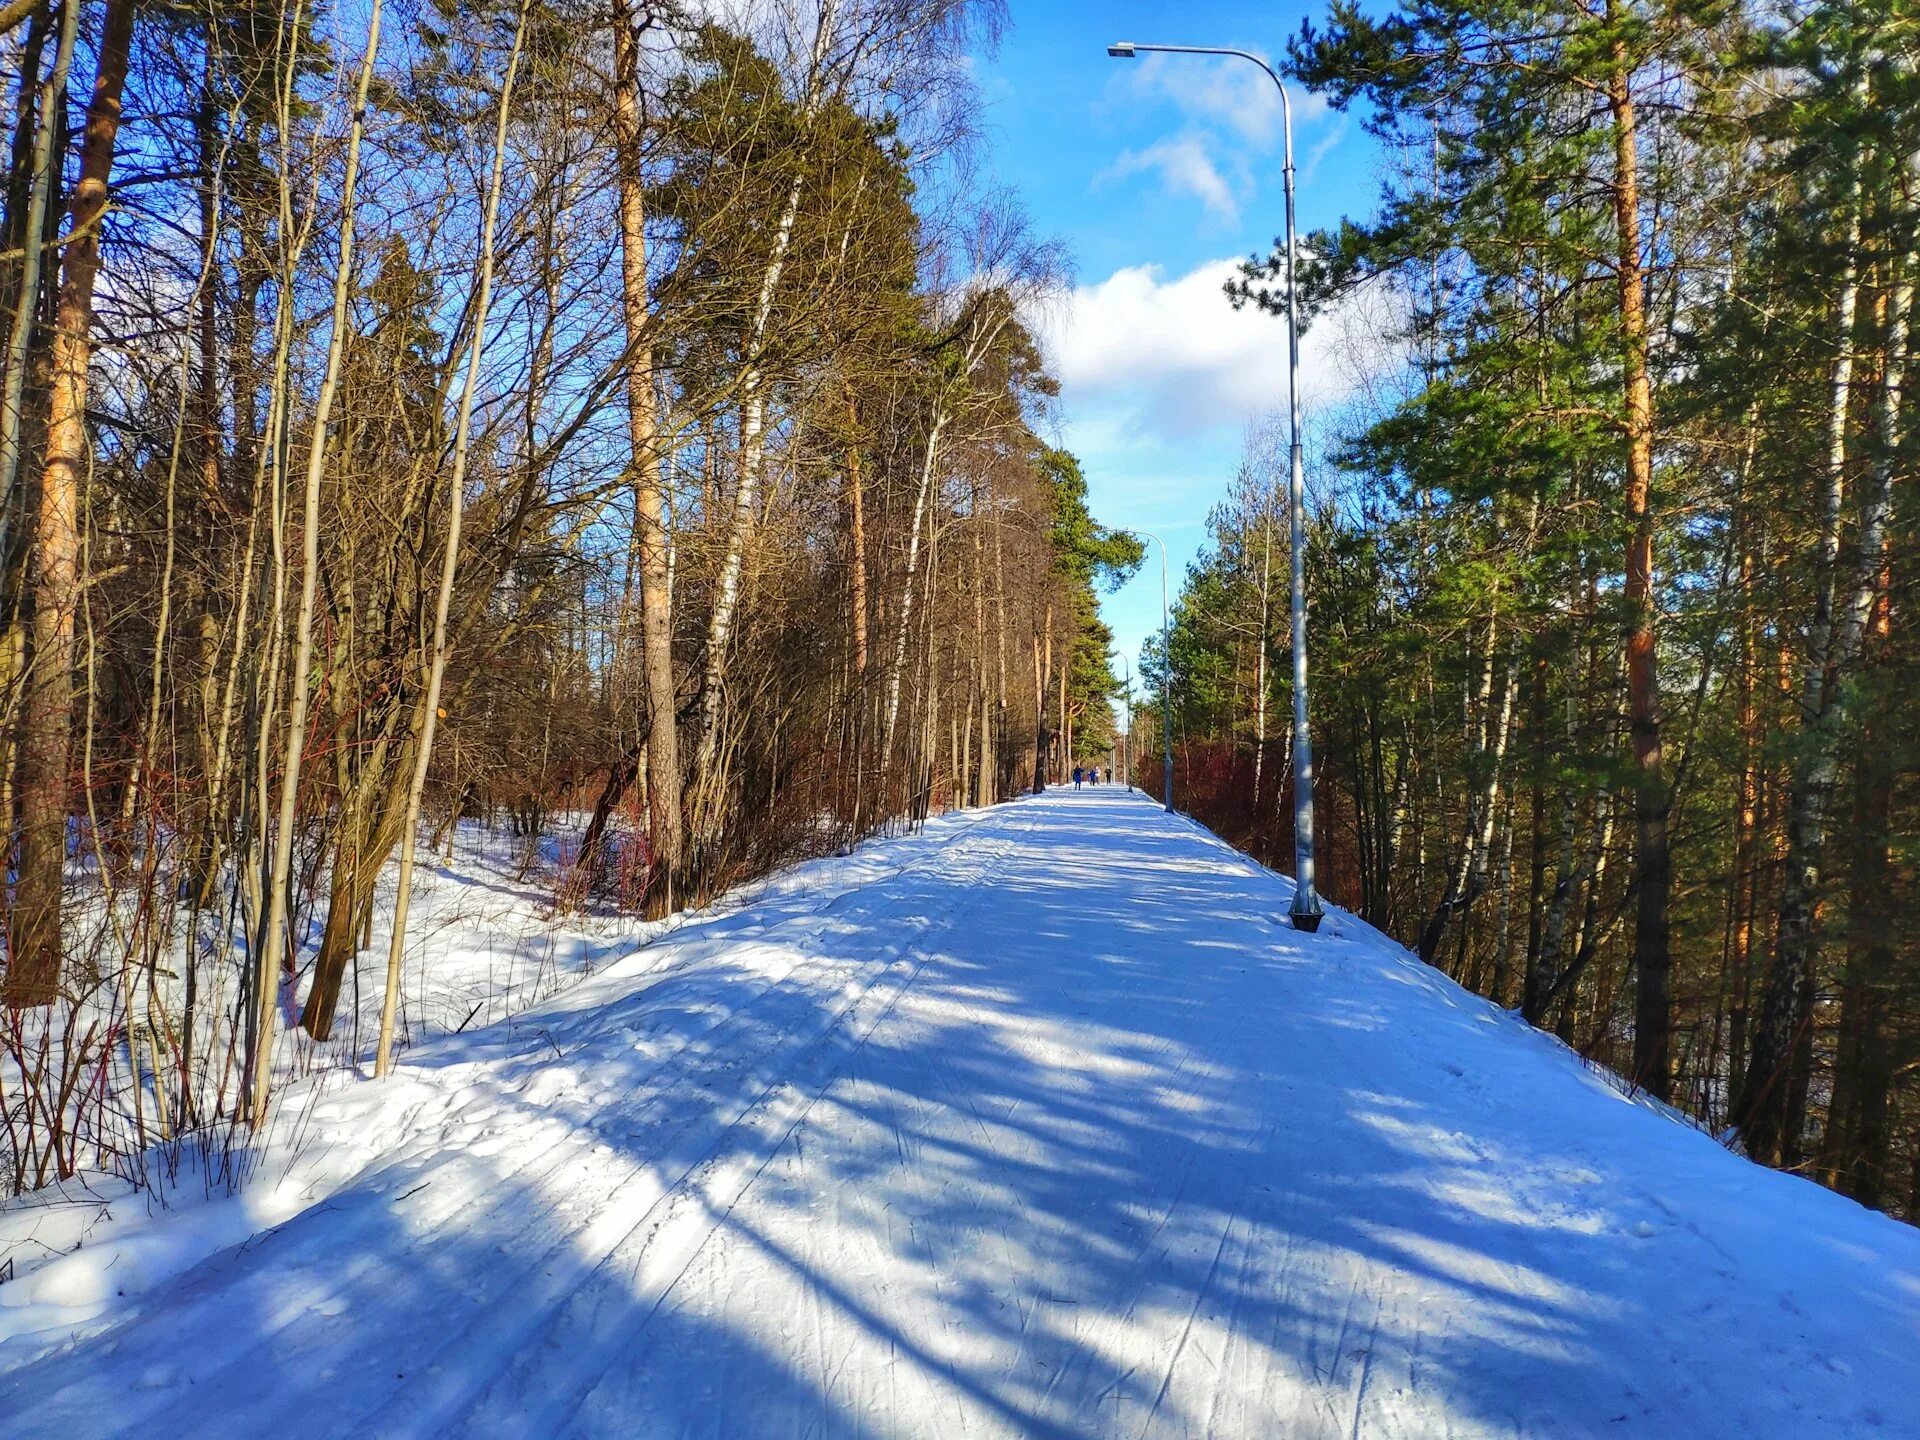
1157	173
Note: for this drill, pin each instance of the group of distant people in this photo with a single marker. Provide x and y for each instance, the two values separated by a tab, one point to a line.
1090	774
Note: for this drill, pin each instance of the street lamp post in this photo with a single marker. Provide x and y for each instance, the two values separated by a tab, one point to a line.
1166	676
1305	911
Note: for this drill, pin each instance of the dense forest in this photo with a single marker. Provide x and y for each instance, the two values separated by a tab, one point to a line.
620	427
1612	585
616	422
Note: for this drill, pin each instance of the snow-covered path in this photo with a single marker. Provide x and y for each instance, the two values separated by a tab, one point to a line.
1043	1123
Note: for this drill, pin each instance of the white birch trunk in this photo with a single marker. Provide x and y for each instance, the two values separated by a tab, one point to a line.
753	439
450	563
273	932
928	466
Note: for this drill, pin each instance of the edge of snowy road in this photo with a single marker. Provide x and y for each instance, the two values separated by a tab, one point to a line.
79	1245
1343	923
1754	1203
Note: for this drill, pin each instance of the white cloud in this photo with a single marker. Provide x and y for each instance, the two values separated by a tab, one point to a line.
1321	148
1230	132
1171	357
1159	378
1219	90
1184	167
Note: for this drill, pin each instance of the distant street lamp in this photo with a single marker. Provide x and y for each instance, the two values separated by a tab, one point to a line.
1166	674
1305	911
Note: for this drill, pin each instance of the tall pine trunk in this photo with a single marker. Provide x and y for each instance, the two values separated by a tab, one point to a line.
665	833
1652	863
33	973
44	115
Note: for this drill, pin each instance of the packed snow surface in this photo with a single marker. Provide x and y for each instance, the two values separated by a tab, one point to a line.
1041	1123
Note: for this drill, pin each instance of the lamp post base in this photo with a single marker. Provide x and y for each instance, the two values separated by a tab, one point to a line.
1306	920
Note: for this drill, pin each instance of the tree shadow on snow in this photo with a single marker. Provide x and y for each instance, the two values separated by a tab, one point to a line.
1100	1148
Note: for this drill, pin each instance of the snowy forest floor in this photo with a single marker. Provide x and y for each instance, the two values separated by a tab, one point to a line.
1041	1123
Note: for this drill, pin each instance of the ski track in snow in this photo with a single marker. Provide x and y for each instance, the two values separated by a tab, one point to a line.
1055	1128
